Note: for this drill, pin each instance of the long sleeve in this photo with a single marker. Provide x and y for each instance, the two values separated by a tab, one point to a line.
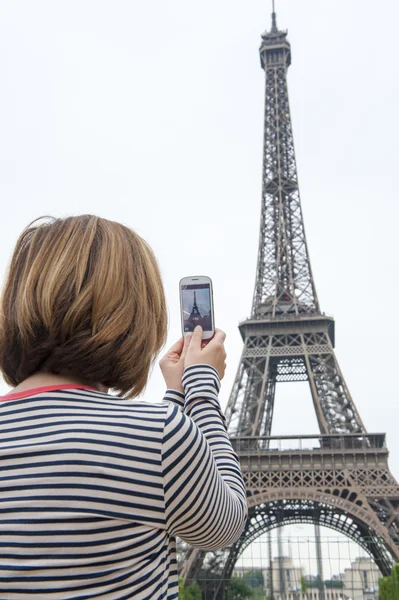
175	397
205	498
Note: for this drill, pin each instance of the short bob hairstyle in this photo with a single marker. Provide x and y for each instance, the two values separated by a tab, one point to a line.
84	298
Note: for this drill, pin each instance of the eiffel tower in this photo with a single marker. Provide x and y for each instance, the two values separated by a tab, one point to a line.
338	478
195	311
195	315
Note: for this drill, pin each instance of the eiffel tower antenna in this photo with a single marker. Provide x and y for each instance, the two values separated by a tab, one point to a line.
274	20
339	477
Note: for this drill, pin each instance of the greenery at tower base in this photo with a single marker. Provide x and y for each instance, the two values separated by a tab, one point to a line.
315	583
191	592
250	587
388	587
240	589
255	579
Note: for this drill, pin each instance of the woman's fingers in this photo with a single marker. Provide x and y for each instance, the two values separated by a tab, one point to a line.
181	346
213	354
219	336
177	347
196	337
187	340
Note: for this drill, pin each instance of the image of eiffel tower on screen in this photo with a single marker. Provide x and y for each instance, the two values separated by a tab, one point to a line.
196	302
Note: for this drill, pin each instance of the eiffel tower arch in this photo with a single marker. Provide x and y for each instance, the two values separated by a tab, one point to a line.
338	478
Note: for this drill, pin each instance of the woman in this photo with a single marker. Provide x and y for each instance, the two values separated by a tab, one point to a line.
94	488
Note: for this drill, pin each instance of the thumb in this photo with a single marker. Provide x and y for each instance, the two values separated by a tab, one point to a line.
187	340
196	338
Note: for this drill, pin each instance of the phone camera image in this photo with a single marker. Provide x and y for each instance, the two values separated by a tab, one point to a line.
196	304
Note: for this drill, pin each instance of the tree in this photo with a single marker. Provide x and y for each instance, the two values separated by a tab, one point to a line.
259	594
182	549
385	588
311	583
191	592
239	589
334	584
388	587
255	579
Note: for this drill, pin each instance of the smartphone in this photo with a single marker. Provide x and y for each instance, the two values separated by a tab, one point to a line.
196	305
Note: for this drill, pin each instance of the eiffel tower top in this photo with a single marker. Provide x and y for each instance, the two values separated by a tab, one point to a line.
275	40
274	29
284	284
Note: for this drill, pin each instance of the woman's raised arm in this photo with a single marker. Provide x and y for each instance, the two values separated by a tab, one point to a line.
205	495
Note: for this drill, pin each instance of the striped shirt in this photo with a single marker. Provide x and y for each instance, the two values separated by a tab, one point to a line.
94	490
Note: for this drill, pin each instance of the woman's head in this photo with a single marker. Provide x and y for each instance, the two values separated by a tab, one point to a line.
83	297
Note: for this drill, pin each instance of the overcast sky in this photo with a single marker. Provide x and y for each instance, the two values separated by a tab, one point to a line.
150	113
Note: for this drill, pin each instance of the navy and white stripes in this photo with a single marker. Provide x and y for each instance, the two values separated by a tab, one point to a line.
93	490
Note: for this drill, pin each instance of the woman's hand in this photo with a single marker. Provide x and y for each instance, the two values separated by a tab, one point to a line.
210	353
172	364
193	350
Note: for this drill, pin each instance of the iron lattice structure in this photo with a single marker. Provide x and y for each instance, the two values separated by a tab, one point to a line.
343	481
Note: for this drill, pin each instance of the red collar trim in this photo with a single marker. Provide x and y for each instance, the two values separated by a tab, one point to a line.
46	388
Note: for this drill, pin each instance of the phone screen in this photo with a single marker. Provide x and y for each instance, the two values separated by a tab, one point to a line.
196	306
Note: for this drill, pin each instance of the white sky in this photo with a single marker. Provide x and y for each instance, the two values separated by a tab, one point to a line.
150	113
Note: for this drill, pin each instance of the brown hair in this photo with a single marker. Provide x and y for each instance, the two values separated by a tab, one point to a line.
83	296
